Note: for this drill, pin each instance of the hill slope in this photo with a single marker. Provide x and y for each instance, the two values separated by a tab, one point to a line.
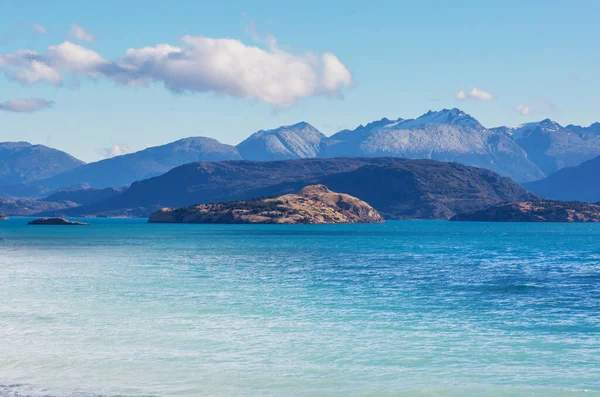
22	162
397	188
581	183
535	211
123	170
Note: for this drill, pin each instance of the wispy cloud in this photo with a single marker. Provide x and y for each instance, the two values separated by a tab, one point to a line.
475	94
39	29
115	150
548	105
251	30
28	105
250	27
524	109
77	32
201	64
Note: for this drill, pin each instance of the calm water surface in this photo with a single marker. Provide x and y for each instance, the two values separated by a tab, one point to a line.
124	308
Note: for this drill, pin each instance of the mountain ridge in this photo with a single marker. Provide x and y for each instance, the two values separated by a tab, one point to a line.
531	151
23	162
123	170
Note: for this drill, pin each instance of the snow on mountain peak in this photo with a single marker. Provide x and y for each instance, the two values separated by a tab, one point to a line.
524	130
445	116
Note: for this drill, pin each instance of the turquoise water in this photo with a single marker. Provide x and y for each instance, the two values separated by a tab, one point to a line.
402	309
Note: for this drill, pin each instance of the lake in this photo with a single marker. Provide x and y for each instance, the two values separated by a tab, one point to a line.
406	308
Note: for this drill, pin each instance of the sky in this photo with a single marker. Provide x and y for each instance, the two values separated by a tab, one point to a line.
101	78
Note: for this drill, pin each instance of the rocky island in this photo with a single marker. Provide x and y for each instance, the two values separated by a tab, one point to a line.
535	211
56	222
3	218
314	204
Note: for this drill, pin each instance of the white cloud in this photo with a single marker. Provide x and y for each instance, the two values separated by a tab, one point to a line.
28	105
77	32
29	67
115	150
39	29
524	110
475	94
202	64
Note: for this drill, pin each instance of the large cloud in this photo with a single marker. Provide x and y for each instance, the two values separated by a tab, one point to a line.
202	64
28	105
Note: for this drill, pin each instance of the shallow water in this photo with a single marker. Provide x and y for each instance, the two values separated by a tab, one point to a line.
401	309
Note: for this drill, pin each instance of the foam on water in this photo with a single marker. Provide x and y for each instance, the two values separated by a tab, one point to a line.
123	308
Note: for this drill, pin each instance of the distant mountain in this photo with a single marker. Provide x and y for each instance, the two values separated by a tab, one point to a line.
24	190
525	153
397	188
84	196
581	183
297	141
347	143
56	202
22	162
553	147
28	207
123	170
447	135
585	132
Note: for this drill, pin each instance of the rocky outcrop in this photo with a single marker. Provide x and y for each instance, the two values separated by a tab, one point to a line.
3	218
56	222
535	211
312	205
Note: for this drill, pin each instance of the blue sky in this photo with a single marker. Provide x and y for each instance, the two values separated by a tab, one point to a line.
402	59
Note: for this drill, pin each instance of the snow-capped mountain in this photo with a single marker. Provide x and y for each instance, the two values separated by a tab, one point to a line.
525	153
553	147
446	135
300	140
445	116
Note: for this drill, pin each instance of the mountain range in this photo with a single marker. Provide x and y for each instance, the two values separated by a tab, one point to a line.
525	153
553	147
448	135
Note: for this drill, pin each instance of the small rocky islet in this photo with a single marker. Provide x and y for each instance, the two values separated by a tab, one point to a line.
56	222
314	204
535	211
3	217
